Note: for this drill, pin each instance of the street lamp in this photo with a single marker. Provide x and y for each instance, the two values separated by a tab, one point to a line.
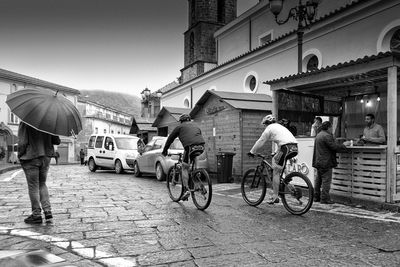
150	101
304	14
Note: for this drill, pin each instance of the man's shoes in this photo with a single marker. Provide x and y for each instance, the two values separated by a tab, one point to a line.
48	216
272	201
185	196
327	202
34	219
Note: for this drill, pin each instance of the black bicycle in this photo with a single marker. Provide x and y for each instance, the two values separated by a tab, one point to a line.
295	189
200	185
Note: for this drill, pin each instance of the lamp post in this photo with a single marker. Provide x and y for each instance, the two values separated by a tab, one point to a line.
304	14
149	101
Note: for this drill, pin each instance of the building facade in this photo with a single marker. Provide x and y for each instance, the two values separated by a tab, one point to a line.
11	82
100	119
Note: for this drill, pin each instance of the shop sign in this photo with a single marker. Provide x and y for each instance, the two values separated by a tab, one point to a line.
293	166
213	110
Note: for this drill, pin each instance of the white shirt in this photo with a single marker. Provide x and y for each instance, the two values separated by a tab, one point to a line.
276	133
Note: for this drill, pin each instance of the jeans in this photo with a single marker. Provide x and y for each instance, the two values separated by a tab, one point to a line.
323	182
36	174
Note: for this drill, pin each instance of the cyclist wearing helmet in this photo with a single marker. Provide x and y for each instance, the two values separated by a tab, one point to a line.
192	140
287	148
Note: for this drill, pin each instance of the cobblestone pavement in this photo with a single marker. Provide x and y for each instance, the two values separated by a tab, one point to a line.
105	219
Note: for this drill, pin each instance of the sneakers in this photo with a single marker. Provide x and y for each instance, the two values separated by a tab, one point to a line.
48	216
185	195
272	200
34	219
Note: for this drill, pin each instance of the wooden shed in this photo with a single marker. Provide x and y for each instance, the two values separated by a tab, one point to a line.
167	119
231	122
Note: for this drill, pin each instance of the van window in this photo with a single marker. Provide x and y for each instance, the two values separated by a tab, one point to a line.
99	141
91	142
126	143
108	142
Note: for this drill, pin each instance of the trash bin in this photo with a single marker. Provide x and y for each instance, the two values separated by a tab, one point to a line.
224	167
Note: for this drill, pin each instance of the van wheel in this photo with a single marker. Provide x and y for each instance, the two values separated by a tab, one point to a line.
160	175
92	165
136	170
118	167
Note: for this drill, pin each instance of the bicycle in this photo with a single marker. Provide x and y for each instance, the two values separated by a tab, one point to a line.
200	185
295	189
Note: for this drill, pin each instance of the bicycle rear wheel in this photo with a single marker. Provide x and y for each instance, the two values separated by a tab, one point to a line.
253	187
174	184
297	193
202	189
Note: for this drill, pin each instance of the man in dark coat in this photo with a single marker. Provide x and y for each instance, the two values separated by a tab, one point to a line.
324	160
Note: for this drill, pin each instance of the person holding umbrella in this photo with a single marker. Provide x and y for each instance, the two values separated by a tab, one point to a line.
35	149
44	115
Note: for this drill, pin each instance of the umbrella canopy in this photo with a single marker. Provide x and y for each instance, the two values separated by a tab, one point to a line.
46	111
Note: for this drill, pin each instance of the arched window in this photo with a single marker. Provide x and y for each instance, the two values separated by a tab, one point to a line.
395	41
191	47
312	63
186	103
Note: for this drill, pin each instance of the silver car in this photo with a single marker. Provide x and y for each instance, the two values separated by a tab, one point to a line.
151	161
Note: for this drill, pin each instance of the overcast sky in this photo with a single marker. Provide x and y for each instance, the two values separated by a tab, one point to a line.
118	45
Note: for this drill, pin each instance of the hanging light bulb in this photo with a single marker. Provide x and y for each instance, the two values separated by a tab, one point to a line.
362	100
369	103
378	99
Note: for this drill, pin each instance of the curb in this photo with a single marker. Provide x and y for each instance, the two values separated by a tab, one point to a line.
366	204
10	168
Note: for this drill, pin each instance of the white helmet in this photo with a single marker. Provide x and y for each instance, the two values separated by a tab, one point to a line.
268	119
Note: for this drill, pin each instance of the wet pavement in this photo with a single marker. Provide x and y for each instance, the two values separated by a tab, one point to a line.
105	219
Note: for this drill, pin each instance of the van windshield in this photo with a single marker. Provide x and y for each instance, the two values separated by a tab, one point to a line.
125	143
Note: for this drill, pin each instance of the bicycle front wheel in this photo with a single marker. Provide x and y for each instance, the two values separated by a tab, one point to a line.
202	189
174	184
253	187
297	193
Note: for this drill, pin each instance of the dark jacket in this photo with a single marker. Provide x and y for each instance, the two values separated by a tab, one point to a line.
325	149
34	144
188	133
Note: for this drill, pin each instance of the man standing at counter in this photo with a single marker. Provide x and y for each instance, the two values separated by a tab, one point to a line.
324	160
373	133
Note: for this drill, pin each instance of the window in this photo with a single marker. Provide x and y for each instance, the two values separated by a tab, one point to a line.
395	41
112	131
186	103
99	142
221	11
251	82
91	142
312	63
13	118
109	144
191	47
96	130
105	130
158	144
265	38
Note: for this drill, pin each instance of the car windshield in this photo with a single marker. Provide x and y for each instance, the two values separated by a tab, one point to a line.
125	143
176	144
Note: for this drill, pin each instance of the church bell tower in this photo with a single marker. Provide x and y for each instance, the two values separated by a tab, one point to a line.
205	18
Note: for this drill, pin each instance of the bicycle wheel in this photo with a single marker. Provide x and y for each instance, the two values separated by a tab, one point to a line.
297	193
174	184
202	189
253	187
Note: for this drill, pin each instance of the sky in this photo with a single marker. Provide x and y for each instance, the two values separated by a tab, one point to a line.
114	45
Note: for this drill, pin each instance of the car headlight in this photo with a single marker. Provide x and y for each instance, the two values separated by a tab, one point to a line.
130	155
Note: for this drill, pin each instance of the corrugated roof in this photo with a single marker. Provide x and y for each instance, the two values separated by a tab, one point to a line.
363	60
173	111
9	75
248	101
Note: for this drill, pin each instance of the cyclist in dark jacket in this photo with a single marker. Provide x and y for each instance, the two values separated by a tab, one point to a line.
190	136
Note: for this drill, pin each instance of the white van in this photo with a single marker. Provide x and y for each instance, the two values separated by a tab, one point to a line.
112	151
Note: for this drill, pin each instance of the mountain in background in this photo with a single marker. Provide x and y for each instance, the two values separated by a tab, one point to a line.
120	101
